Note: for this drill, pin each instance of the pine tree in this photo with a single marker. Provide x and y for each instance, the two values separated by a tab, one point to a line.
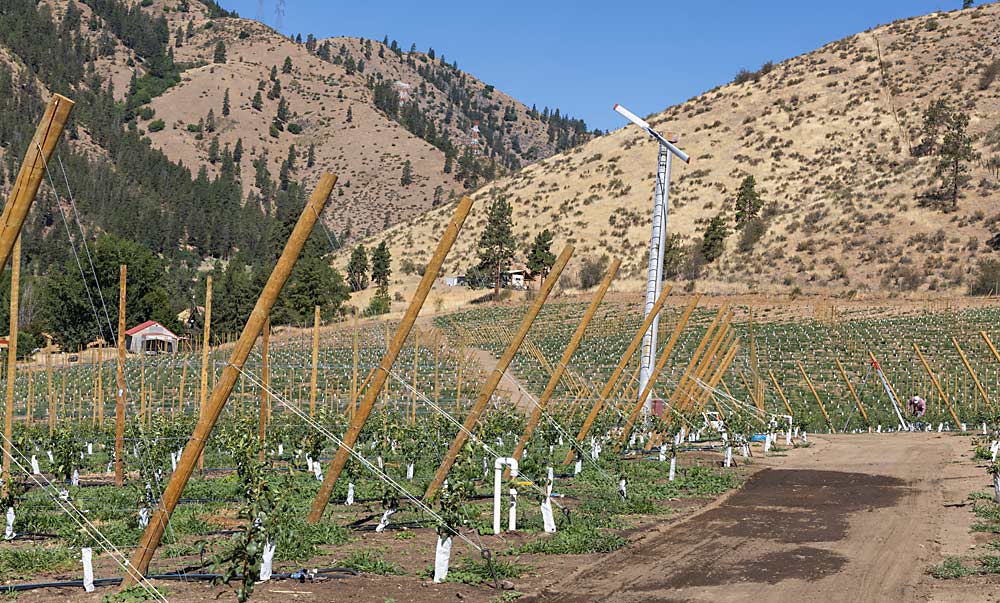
381	265
497	243
540	256
311	157
287	66
220	52
225	104
407	178
257	103
350	114
714	241
748	202
213	151
357	269
955	152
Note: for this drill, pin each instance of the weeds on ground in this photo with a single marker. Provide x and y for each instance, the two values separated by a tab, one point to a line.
989	514
949	569
576	539
22	563
369	562
132	594
477	571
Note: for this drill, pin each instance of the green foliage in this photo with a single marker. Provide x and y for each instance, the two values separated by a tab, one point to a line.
752	231
357	268
381	265
407	177
477	571
575	539
131	594
950	569
220	52
748	202
540	256
497	244
380	302
714	240
369	562
24	563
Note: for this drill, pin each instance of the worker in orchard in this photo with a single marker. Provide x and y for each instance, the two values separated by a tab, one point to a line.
917	406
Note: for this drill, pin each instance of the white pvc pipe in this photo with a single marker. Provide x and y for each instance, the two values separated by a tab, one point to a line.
498	466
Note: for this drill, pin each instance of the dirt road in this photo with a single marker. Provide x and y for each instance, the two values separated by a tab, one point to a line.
853	518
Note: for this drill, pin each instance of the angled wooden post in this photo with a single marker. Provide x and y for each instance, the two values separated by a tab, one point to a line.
381	374
617	373
660	363
717	358
854	393
8	421
937	385
833	428
120	381
696	357
206	339
313	377
207	419
972	373
501	367
699	367
989	344
720	370
574	343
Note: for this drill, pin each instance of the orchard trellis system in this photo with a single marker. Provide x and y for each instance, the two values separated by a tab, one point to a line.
126	453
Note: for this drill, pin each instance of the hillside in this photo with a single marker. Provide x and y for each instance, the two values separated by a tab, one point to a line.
827	136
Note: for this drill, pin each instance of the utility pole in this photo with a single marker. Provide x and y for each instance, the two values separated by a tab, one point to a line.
657	241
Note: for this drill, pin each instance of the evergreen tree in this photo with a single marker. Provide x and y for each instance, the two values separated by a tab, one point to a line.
407	178
714	241
748	202
381	265
357	269
286	68
540	256
213	151
380	302
350	114
257	103
220	52
955	152
225	104
497	243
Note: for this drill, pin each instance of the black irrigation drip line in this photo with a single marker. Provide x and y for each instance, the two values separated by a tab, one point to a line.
302	575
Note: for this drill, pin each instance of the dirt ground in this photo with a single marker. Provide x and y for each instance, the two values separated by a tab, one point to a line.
854	518
851	518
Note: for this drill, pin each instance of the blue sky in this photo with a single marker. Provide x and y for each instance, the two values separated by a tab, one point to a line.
584	56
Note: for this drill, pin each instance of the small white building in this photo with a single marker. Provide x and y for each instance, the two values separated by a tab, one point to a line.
454	281
150	336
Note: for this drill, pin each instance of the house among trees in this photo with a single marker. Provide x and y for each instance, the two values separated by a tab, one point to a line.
150	336
515	276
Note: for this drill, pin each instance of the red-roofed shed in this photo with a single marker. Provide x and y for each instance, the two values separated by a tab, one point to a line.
150	336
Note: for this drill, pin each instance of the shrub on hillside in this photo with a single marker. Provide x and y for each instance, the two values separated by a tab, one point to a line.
987	280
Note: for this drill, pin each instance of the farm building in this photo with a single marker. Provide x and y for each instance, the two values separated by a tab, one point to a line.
150	336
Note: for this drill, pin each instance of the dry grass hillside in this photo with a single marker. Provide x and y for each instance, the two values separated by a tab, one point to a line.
827	137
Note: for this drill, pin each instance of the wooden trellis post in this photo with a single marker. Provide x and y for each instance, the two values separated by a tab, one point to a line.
380	375
664	355
313	377
354	370
206	339
937	385
550	387
833	428
207	419
595	409
49	391
120	380
720	370
494	379
265	380
693	363
8	423
854	393
972	373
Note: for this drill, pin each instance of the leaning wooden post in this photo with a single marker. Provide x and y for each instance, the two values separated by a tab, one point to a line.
416	363
550	387
8	420
36	158
315	363
809	383
716	377
972	373
612	381
206	339
490	386
207	419
354	370
660	363
265	384
854	393
380	375
693	365
781	394
702	370
120	374
937	385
